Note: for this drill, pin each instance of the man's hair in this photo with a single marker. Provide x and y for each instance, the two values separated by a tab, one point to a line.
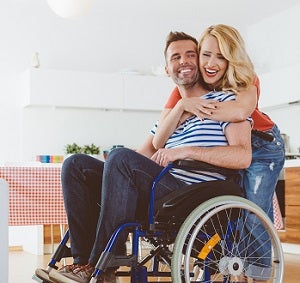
176	36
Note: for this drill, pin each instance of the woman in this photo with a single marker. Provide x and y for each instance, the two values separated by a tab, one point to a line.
225	65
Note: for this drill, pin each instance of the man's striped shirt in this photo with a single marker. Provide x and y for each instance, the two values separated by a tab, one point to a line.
205	133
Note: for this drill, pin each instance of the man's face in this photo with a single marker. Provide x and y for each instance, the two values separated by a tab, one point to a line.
182	62
212	64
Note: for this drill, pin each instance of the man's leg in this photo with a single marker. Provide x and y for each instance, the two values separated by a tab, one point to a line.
127	177
81	183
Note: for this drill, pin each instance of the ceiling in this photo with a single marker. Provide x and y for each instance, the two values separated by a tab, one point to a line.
117	35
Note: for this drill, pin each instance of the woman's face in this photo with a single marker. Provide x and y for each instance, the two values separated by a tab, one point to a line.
212	64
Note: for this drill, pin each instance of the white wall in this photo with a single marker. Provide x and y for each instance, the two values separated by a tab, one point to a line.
9	117
26	132
274	44
61	107
46	130
287	118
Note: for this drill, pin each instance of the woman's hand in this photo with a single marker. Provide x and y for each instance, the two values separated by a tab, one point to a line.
202	108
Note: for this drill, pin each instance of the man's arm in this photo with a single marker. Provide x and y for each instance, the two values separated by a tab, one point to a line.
228	111
167	123
237	155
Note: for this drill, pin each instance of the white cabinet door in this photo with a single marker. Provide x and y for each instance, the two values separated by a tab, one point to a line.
65	88
146	92
74	89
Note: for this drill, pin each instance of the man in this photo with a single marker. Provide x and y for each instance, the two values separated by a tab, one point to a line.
127	175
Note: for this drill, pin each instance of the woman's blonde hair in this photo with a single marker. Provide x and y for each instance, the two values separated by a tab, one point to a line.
240	71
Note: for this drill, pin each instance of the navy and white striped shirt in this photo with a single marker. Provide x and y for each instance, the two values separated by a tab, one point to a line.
194	132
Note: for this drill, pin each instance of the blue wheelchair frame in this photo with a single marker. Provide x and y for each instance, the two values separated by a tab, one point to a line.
138	271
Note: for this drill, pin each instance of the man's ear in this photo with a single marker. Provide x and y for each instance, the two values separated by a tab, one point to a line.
167	71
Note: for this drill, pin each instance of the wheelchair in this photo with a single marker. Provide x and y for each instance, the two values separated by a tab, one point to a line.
202	233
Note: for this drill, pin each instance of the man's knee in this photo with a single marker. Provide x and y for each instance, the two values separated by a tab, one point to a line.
69	163
120	154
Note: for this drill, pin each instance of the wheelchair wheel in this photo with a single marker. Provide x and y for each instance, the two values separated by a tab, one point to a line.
227	239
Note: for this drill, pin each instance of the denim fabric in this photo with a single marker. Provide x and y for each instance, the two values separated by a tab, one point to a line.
123	183
259	182
81	180
126	181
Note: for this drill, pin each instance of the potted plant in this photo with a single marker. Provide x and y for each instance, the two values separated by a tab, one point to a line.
90	149
72	148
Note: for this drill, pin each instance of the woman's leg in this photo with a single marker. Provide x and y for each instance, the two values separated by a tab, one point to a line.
259	182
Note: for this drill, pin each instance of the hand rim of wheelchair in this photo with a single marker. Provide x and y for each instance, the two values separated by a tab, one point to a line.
207	210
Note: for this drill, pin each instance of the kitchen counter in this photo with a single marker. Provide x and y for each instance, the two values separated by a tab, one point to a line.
291	234
292	163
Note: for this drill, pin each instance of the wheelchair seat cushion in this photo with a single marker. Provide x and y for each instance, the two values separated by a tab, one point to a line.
181	202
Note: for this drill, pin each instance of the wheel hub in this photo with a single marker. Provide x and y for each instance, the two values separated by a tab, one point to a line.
231	266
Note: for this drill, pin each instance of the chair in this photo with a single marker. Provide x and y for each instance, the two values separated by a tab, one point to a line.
198	234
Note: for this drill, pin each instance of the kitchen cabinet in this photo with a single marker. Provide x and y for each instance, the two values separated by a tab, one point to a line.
146	92
78	89
291	234
65	88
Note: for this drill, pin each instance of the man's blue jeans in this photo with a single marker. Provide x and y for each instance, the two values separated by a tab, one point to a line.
100	196
259	182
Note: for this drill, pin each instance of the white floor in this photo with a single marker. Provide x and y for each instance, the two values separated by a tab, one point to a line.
22	266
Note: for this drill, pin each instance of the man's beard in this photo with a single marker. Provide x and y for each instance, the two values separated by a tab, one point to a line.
187	82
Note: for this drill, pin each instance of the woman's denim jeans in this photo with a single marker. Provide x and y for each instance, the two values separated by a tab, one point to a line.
259	182
112	189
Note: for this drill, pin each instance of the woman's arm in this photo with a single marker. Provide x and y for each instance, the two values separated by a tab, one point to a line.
228	111
236	110
171	118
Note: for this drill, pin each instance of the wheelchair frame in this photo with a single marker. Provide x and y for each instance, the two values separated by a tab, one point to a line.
182	238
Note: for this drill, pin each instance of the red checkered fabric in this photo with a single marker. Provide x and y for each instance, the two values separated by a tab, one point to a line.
278	221
35	196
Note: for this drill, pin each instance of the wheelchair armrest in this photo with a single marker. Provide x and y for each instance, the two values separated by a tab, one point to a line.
230	174
180	202
200	165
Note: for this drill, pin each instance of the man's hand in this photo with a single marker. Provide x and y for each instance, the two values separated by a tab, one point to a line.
163	156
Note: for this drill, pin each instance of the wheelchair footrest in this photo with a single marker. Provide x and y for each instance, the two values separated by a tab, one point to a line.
107	259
